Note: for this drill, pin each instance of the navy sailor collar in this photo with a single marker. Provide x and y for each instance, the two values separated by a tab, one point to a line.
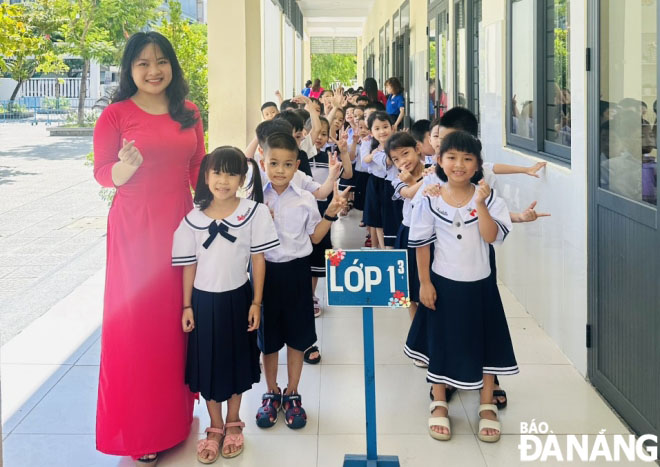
241	216
468	213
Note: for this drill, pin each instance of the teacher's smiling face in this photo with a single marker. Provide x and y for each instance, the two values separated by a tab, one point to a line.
152	71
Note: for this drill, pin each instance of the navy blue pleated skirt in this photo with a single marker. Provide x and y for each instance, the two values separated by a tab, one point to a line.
361	179
392	214
413	276
465	336
223	358
373	211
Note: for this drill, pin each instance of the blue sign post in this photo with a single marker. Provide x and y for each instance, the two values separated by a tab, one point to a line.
368	278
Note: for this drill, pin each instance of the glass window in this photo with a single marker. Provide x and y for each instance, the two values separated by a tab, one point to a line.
381	55
387	50
557	74
433	67
396	23
405	16
443	61
461	54
629	93
522	70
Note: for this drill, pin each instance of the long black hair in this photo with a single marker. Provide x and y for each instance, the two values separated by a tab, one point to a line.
371	89
176	91
463	141
231	160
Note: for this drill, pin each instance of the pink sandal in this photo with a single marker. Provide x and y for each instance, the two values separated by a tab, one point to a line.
233	440
209	445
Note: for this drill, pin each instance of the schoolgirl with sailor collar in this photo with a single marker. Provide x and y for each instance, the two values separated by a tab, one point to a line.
465	339
229	242
215	243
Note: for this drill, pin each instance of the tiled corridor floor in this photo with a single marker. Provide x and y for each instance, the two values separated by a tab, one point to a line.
50	371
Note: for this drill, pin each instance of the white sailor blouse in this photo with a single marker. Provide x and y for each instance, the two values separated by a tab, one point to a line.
460	253
222	248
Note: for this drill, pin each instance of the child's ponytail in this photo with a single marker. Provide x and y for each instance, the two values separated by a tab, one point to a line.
255	184
203	195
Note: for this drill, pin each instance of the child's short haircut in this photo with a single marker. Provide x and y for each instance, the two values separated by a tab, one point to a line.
461	141
326	91
460	118
269	127
378	115
363	99
268	104
419	129
282	141
398	140
394	84
302	113
293	118
288	104
308	83
376	105
436	122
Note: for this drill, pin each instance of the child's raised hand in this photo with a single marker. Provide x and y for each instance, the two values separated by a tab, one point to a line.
483	191
187	320
535	168
432	191
406	177
339	200
342	142
129	154
334	165
278	93
254	317
530	215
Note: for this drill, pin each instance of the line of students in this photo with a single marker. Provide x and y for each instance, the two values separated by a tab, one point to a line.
429	186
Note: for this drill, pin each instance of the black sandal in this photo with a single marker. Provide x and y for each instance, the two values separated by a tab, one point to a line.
449	392
500	393
310	351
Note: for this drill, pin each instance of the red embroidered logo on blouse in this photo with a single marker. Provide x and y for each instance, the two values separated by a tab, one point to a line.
242	217
473	212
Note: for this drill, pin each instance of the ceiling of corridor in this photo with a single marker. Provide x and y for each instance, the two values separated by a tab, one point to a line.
335	17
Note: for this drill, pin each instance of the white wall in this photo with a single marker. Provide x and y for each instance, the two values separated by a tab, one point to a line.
300	79
271	50
289	60
543	263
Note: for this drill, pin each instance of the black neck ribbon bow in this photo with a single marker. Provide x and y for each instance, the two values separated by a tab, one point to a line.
214	230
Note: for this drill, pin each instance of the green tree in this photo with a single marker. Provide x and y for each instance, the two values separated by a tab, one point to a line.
98	29
25	41
330	68
190	43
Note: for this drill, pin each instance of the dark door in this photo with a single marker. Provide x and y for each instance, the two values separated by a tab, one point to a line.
624	239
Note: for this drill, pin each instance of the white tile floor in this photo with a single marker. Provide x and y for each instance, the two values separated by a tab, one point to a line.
49	382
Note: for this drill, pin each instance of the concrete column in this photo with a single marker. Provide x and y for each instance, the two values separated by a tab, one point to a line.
307	60
235	71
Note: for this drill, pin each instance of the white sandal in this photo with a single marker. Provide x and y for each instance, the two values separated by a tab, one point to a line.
484	423
442	422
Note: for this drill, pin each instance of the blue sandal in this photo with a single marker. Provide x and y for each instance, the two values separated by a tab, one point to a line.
271	402
294	415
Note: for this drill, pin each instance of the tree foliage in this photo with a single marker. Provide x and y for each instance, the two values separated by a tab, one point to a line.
26	44
98	29
190	44
330	68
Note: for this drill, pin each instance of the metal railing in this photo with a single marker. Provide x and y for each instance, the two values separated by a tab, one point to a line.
42	109
62	87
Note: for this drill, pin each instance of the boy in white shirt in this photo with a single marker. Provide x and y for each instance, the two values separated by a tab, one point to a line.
288	307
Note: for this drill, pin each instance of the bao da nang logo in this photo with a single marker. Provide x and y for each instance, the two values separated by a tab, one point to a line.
585	448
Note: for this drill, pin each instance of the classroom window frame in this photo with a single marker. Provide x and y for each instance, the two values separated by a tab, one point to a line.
538	144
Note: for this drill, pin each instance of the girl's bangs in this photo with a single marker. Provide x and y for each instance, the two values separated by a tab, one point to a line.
227	160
